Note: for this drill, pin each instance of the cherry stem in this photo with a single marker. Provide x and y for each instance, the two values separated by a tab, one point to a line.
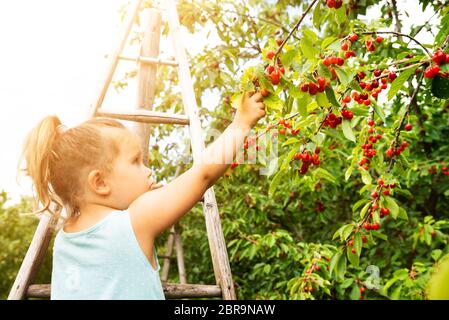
294	28
401	123
400	34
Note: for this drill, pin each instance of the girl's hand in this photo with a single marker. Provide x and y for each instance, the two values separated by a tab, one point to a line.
251	110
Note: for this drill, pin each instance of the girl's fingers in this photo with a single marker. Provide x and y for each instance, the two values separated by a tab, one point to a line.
257	97
156	186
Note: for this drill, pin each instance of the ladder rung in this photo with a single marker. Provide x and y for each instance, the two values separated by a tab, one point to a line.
171	290
150	60
145	116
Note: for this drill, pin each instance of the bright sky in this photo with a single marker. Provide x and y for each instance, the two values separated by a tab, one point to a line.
51	62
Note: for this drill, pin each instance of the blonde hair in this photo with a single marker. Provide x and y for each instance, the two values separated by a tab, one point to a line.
55	160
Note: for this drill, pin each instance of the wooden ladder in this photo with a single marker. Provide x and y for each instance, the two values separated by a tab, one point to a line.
148	60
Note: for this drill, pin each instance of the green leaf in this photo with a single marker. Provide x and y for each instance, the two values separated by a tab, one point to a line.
346	232
338	264
364	210
347	130
291	141
358	204
288	57
348	172
301	104
321	98
307	48
326	42
393	206
331	96
352	257
273	102
347	283
358	243
378	110
366	177
275	182
317	16
379	235
436	254
236	100
342	75
323	173
440	87
397	84
402	214
290	155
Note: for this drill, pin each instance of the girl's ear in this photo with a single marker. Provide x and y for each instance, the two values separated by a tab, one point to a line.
97	184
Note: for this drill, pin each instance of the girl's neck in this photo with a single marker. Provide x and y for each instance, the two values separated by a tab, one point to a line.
89	215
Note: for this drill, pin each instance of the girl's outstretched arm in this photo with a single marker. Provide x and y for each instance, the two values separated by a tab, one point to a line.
157	210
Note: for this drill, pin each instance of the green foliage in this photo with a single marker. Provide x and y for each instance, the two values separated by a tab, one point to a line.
289	235
16	232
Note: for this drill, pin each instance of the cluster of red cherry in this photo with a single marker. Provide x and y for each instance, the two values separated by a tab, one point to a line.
308	159
332	120
312	88
440	58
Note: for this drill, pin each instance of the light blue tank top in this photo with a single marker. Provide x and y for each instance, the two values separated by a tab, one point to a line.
104	261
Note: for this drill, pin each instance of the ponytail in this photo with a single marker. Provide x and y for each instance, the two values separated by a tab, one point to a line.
38	153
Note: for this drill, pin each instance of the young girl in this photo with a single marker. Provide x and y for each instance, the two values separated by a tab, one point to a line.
105	248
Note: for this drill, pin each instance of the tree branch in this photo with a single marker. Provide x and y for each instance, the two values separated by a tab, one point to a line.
400	34
294	28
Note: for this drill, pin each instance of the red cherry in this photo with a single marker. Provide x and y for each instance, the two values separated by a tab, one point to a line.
327	61
405	144
345	46
374	194
282	70
321	81
338	4
270	54
313	89
347	99
408	127
264	92
370	122
331	3
380	182
375	226
270	69
366	226
362	289
275	77
340	61
353	37
304	87
390	152
379	39
386	192
392	76
431	71
377	72
439	57
375	206
385	211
